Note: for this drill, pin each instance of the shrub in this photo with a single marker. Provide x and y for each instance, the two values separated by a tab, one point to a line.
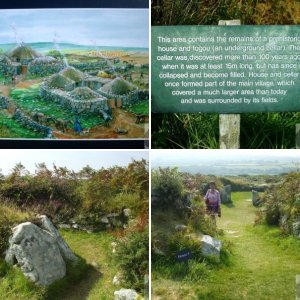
5	233
168	185
10	215
133	259
283	200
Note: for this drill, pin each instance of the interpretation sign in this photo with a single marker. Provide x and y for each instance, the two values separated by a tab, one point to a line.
225	69
183	255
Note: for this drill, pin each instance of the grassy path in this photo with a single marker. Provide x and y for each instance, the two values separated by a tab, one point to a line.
263	265
262	268
96	249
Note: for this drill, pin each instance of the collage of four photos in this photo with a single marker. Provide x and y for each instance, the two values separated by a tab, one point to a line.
150	150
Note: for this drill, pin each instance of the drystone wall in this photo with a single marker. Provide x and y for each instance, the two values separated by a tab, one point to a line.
130	99
78	106
45	69
27	122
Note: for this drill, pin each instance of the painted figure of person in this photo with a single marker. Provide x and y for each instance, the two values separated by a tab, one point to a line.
213	201
77	125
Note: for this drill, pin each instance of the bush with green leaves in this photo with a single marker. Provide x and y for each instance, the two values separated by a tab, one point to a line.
110	190
167	184
5	232
133	259
283	200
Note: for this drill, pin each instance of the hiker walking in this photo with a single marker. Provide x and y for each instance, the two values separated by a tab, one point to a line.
213	201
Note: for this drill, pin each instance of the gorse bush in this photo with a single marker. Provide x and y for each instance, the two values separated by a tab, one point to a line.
107	188
63	194
168	185
5	232
133	259
283	201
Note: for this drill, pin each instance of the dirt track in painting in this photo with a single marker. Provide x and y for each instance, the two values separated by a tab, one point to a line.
121	119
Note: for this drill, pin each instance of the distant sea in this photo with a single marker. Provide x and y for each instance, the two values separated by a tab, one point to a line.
47	46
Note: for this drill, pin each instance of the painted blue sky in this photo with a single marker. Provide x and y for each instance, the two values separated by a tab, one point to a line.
72	159
100	27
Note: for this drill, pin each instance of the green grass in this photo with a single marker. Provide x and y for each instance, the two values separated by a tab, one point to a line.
83	281
14	285
30	100
9	128
141	108
263	262
94	248
258	130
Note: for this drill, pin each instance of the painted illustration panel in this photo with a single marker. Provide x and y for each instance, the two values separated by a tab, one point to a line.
74	74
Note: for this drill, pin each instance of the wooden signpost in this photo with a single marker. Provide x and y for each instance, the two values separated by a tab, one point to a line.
229	124
297	136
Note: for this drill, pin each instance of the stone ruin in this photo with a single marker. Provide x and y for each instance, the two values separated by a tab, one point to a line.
40	251
75	90
81	92
225	194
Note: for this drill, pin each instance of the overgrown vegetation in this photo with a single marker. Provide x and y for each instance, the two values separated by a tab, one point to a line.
133	256
282	203
178	200
64	195
258	130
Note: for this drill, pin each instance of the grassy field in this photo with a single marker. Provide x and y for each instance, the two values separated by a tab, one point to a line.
263	264
193	131
141	108
9	128
30	100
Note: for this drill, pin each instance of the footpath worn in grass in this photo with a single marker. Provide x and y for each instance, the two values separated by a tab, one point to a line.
96	249
264	263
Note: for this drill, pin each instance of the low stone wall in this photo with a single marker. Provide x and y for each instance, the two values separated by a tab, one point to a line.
27	122
130	99
45	69
4	102
136	97
8	69
78	106
89	66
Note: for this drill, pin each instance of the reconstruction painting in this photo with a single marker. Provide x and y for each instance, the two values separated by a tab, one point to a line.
74	74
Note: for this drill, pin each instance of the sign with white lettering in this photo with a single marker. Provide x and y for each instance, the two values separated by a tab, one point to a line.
225	69
183	255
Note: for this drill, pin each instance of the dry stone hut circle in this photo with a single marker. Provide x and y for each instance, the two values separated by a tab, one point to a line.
70	88
84	93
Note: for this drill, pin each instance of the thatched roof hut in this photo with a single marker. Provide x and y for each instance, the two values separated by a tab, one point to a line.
23	52
59	81
118	86
73	74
